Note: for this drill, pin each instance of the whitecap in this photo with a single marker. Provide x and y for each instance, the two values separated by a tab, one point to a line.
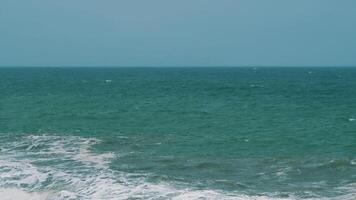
17	194
81	173
353	162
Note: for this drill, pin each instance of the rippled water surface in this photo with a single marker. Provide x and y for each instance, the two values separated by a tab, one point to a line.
178	133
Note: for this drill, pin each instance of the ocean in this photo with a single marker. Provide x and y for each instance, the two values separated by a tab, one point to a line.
244	133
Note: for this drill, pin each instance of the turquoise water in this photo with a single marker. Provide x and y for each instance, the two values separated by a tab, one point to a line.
178	133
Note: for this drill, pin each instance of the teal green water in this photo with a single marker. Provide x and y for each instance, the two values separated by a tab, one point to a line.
178	133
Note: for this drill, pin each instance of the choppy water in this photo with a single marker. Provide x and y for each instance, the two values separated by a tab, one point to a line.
178	133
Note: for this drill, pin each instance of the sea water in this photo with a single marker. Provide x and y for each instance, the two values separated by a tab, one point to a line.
177	133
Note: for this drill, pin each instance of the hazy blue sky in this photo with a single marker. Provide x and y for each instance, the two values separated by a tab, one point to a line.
177	33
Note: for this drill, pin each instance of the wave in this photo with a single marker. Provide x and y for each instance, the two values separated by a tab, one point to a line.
46	167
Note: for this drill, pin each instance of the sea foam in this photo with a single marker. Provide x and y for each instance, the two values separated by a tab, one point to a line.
17	194
49	167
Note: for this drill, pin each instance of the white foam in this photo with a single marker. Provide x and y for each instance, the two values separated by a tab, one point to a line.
80	173
17	173
352	119
70	147
353	162
17	194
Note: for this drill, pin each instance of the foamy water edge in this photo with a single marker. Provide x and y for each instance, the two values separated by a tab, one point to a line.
80	173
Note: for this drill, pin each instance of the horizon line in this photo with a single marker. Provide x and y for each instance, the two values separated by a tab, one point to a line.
170	66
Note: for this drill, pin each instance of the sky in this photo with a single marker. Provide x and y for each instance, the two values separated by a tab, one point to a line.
177	33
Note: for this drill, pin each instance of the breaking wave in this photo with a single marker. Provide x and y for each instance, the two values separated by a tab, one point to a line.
47	167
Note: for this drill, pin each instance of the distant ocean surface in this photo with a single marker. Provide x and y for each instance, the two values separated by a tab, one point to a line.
178	133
